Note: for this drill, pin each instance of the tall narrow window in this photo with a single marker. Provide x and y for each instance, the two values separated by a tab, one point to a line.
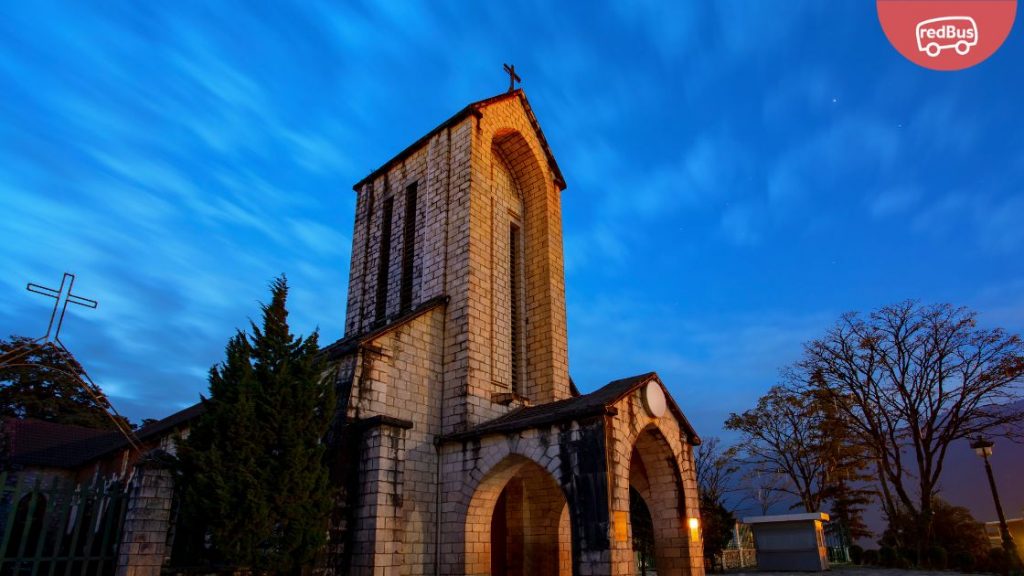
385	257
515	285
408	249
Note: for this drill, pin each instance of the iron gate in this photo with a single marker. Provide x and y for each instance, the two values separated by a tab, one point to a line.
57	527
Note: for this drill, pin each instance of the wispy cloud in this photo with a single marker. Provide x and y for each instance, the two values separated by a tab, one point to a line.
730	166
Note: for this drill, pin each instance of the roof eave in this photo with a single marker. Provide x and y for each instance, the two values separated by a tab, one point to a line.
473	109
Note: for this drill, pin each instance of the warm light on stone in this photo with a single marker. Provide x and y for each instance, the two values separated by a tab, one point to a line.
654	399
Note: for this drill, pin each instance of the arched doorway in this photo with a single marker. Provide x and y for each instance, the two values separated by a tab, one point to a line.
643	533
517	523
657	511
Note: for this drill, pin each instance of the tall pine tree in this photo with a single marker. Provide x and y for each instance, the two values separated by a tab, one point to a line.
255	484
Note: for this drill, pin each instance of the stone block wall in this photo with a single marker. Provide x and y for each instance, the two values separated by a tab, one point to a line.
439	169
505	137
379	531
460	251
451	368
570	456
671	496
144	548
399	375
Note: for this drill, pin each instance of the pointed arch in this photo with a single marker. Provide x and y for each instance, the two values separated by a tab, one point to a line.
655	476
517	522
523	230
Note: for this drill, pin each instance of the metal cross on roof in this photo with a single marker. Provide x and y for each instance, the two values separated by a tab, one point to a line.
63	297
512	77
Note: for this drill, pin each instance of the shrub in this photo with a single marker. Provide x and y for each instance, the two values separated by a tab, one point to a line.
887	556
964	561
910	555
856	554
937	558
998	561
871	557
903	563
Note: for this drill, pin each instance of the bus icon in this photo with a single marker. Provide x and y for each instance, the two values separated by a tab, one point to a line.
937	34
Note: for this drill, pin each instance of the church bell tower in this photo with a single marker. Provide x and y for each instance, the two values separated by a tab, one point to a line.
469	218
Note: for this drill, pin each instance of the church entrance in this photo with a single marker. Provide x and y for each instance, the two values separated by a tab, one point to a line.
656	515
643	533
518	523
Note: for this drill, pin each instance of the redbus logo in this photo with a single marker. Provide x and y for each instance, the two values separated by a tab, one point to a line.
937	34
947	34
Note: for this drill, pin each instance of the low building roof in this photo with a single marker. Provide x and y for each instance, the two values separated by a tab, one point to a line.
596	402
38	443
779	518
32	442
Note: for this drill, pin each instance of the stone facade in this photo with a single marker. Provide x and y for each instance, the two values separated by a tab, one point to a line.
462	447
144	545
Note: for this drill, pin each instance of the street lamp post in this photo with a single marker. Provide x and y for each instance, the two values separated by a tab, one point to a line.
983	447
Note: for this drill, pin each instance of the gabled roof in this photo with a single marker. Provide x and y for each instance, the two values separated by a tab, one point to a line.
597	402
476	109
34	442
47	444
349	344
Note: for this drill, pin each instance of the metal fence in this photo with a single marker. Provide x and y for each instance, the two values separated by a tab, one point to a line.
837	541
57	527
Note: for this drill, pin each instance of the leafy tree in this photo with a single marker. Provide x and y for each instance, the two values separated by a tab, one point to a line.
956	533
778	437
763	488
46	384
715	468
848	487
256	491
718	523
911	379
782	435
796	442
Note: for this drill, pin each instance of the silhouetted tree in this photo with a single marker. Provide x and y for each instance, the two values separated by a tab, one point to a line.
763	488
715	469
718	523
848	487
911	379
779	436
255	481
962	538
796	442
46	384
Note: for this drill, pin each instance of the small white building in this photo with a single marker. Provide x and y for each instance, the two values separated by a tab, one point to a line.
790	542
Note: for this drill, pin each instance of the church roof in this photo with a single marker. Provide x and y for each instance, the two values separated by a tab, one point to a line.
47	444
592	404
349	344
475	109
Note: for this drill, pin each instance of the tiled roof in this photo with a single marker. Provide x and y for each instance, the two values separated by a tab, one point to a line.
597	402
348	344
38	443
46	444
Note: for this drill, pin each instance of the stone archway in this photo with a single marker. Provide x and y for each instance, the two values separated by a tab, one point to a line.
521	179
654	477
518	523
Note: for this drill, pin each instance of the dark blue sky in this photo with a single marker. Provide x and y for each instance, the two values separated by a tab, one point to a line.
739	173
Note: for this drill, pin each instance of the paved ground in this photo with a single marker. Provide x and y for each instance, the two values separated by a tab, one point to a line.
854	571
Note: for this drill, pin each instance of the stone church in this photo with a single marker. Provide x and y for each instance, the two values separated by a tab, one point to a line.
468	449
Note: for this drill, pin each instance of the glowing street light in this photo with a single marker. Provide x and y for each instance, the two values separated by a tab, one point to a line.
983	447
